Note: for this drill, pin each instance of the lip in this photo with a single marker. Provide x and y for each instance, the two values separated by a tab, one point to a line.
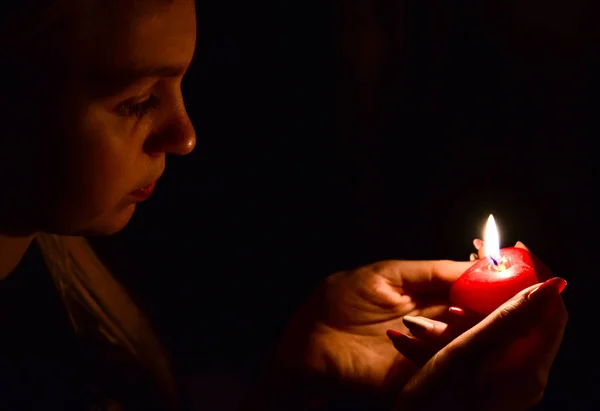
142	194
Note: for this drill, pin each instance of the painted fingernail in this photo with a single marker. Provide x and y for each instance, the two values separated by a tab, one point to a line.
411	348
554	286
393	334
456	311
417	323
478	244
402	342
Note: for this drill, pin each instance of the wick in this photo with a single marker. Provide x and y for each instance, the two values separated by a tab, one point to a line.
494	261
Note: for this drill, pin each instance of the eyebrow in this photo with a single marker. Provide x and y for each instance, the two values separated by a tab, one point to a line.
108	82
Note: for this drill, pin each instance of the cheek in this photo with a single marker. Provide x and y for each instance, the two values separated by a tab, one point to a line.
103	166
99	177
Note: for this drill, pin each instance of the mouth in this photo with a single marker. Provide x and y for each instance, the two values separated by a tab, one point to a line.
142	194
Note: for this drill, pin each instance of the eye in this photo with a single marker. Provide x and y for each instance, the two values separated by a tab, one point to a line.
132	108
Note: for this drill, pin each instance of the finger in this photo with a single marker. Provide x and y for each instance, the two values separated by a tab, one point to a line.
424	327
413	349
440	333
437	310
464	353
436	333
532	324
542	270
523	246
554	329
514	314
461	319
480	247
456	312
424	276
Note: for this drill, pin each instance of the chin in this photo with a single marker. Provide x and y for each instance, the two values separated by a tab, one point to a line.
109	223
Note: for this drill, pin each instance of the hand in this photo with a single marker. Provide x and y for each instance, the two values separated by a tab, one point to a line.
339	336
502	363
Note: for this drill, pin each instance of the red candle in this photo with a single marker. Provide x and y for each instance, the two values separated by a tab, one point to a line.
493	280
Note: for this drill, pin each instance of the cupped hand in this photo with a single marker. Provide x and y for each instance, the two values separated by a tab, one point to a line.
501	363
339	336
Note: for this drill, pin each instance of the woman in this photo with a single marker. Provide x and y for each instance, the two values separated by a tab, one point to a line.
95	106
92	107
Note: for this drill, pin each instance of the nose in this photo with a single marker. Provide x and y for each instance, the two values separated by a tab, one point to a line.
177	136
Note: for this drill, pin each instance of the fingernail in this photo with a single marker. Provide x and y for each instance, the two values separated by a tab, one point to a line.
402	342
553	286
416	323
477	243
519	244
456	311
473	257
393	334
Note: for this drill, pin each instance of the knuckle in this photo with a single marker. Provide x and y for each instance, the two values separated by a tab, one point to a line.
503	313
436	268
377	268
508	308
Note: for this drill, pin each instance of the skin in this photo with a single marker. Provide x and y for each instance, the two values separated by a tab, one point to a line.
94	137
76	143
520	339
513	373
337	345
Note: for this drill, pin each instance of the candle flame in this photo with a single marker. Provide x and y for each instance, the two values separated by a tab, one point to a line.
491	239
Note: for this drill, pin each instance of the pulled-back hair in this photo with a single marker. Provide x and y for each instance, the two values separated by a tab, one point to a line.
100	308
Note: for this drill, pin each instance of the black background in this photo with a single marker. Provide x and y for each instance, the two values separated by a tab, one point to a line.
335	134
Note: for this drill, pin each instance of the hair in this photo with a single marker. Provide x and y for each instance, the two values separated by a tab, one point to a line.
97	304
88	289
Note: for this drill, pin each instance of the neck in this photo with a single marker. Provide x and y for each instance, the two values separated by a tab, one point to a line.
12	250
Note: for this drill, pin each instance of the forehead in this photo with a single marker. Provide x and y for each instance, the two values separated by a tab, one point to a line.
134	35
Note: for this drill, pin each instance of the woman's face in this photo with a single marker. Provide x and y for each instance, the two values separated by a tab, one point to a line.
105	128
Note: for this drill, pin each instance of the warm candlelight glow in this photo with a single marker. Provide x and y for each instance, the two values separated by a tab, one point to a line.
491	241
492	280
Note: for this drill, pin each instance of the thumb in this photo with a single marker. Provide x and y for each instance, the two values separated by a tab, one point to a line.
523	246
514	313
427	276
542	269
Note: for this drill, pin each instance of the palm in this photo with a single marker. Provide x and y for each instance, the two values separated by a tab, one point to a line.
343	327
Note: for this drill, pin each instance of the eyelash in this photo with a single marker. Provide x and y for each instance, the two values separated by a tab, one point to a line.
128	109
